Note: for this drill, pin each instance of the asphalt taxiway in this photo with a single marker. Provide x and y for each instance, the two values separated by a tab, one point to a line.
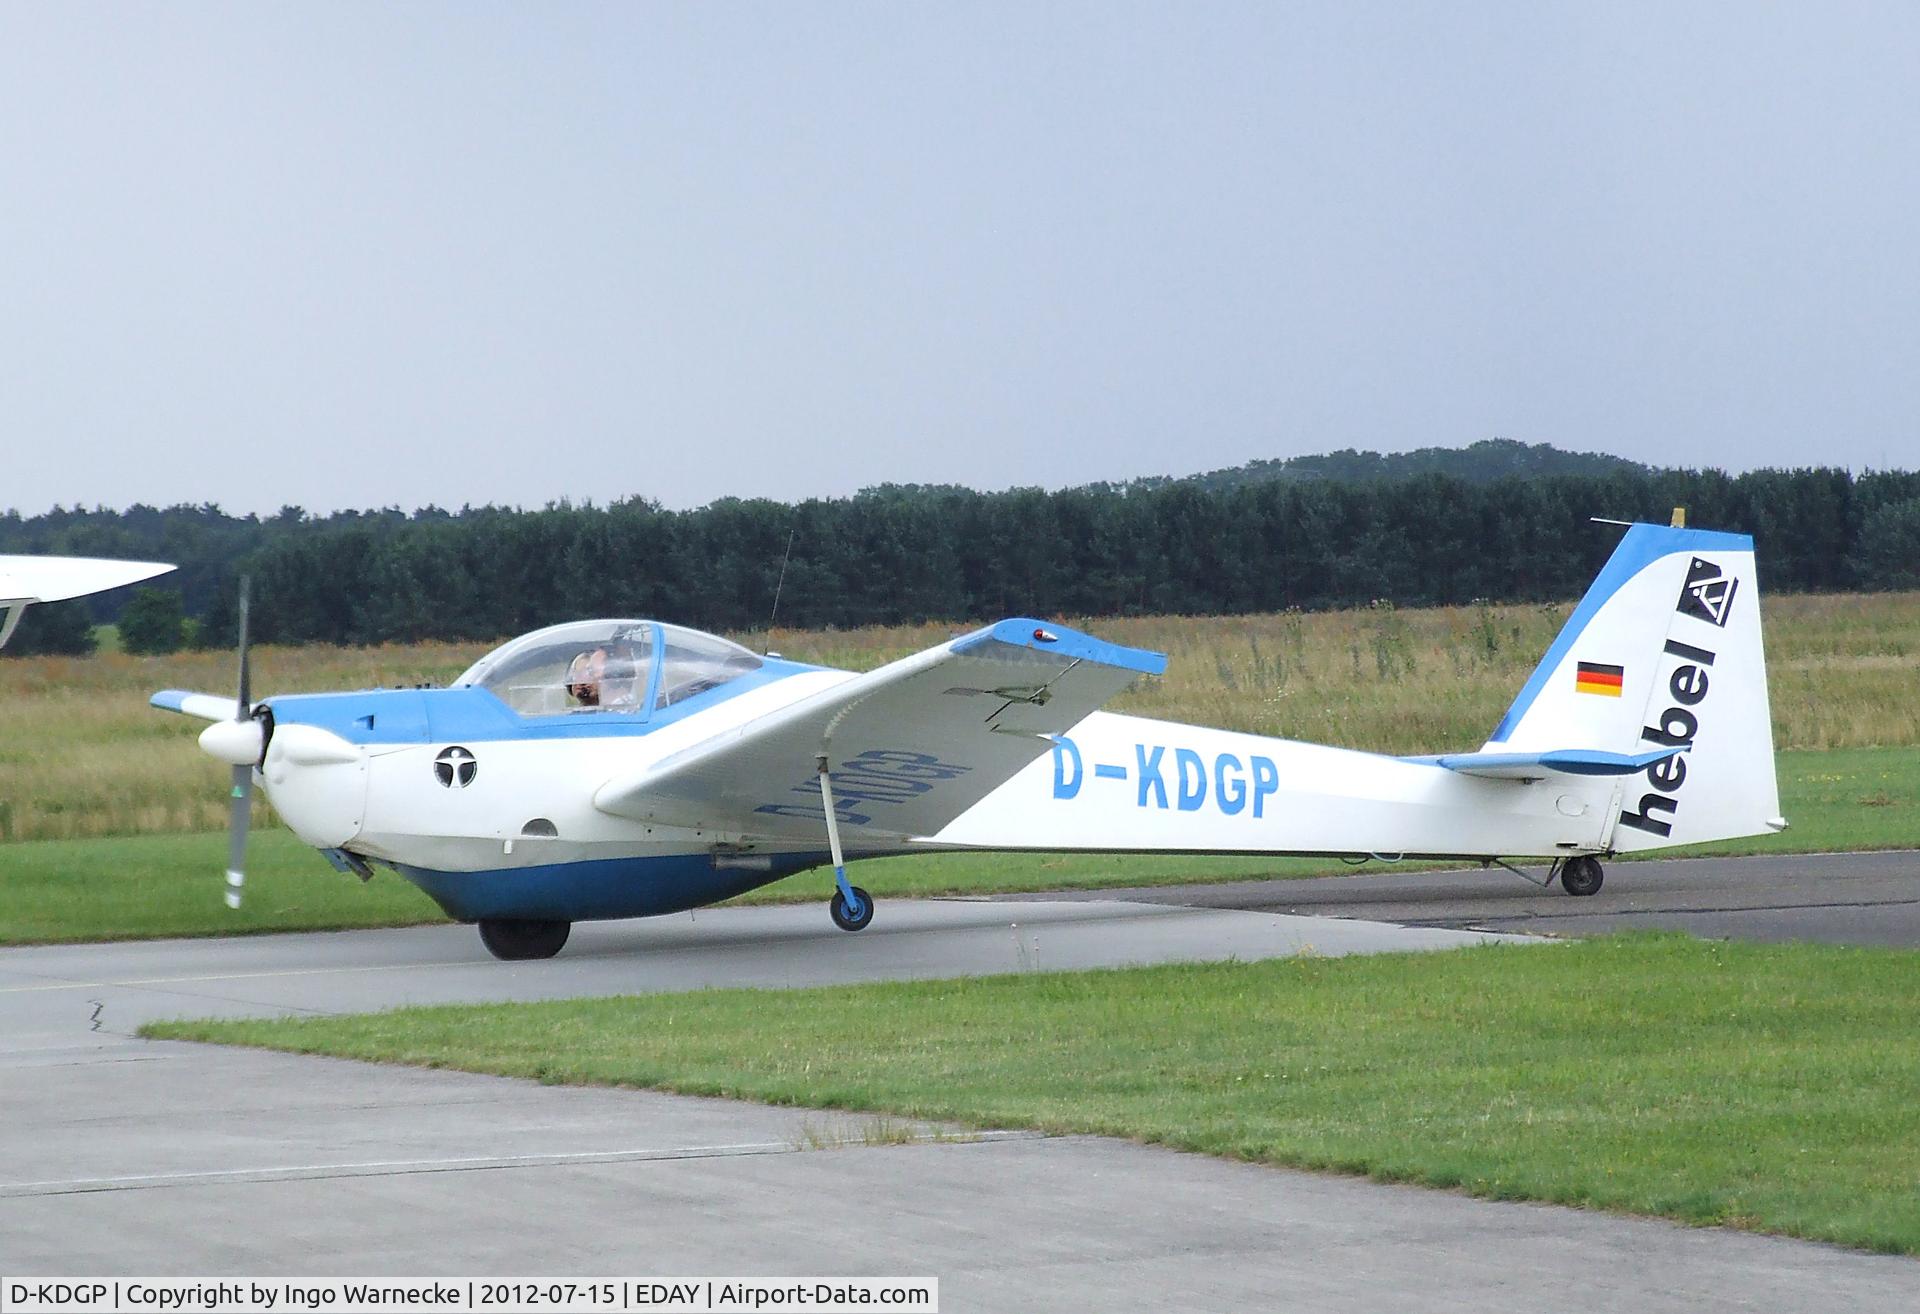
121	1155
1836	898
46	990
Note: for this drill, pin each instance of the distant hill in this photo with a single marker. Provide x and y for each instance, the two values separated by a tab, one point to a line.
1481	463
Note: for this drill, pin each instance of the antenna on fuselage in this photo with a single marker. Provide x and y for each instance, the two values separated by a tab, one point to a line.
1679	520
779	584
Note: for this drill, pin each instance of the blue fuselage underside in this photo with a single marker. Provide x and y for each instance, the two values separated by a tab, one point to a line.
598	889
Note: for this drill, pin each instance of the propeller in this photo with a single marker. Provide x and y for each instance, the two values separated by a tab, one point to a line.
240	815
238	743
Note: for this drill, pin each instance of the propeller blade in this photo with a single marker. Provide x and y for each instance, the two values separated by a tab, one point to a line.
246	690
238	818
240	810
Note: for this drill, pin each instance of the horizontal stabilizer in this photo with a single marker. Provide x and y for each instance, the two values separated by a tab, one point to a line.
1557	761
208	707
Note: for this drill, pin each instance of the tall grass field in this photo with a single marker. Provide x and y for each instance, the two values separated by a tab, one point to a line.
83	756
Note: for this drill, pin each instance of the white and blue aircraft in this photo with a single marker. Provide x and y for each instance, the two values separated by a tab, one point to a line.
27	580
624	768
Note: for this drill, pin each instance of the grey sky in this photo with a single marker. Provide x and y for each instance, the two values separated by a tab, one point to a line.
341	255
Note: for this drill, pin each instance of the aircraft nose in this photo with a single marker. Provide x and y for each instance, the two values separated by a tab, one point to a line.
317	782
309	745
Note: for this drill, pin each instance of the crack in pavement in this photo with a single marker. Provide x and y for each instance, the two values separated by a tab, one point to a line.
410	1167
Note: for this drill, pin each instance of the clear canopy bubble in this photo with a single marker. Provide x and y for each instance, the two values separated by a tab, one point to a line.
630	667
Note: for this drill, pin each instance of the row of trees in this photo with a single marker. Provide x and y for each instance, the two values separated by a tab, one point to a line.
896	554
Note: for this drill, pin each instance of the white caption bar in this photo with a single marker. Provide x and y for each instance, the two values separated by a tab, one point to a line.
336	1295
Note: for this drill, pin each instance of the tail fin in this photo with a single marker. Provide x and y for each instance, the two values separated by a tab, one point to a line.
1663	652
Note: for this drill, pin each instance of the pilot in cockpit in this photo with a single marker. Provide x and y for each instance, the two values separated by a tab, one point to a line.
604	676
583	676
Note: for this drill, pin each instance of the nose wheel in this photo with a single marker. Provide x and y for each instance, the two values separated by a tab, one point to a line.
851	915
1581	876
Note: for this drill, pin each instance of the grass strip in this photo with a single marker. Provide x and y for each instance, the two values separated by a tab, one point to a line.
147	886
1767	1087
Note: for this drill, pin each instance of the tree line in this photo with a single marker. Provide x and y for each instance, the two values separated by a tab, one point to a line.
898	554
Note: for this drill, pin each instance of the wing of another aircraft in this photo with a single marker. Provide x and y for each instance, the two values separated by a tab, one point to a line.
25	580
909	746
54	579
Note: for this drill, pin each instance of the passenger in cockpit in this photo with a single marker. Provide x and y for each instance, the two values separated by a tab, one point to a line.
621	682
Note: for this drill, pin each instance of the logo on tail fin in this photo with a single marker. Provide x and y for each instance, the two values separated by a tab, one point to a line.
1707	595
1678	725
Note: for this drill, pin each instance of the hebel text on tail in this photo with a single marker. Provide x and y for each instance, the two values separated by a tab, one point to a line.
1678	725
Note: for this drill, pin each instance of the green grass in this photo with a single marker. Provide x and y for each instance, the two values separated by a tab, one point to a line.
1765	1087
1837	799
144	886
155	885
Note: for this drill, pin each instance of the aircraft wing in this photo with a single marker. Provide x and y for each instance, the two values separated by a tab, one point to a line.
909	746
55	579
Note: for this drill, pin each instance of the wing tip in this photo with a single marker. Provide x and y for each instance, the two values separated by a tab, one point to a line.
1045	636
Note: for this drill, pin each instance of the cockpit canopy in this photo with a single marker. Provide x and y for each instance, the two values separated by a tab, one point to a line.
631	667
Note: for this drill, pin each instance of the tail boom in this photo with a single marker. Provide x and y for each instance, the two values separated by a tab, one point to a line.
1645	726
1127	784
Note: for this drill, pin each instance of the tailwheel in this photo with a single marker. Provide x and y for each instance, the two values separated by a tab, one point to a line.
1581	876
856	917
516	938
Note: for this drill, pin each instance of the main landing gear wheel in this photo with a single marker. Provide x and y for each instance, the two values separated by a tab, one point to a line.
856	920
516	938
1581	876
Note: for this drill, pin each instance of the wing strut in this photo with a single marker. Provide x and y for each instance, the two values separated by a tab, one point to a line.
852	906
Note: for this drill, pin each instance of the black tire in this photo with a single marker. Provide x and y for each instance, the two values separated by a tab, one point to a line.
515	938
1581	877
839	910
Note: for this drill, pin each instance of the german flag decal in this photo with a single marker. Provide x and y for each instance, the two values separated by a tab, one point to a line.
1598	678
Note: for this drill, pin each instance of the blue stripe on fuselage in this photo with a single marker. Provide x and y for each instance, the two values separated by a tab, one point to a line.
421	716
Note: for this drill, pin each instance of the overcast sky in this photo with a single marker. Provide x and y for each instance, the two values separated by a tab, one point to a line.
356	255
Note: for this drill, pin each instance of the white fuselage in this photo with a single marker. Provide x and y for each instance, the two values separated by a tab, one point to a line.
1114	783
